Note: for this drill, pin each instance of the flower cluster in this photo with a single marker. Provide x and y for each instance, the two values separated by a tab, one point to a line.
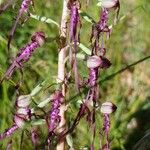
74	6
22	114
37	40
102	25
53	120
96	62
106	109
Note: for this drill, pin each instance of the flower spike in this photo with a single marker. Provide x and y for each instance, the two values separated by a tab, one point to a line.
74	6
54	118
37	40
22	114
106	109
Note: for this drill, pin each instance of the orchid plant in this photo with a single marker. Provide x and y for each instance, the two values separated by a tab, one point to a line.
95	62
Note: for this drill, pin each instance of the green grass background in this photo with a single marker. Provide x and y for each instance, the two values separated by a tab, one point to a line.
129	90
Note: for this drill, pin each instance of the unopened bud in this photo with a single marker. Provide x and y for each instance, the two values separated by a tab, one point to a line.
93	61
109	3
19	121
23	101
108	108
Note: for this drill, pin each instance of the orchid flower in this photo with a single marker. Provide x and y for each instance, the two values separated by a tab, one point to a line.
98	28
37	40
54	117
93	63
22	114
74	36
101	27
106	109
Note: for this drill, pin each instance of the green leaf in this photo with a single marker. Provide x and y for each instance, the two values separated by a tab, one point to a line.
38	122
37	89
81	56
44	19
85	49
85	16
44	103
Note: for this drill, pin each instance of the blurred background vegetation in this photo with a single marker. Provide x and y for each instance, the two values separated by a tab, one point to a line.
129	90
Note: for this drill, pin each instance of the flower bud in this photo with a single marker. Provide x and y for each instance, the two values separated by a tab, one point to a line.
109	3
23	101
93	61
108	108
19	121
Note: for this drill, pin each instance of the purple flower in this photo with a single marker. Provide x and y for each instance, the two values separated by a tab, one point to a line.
107	108
8	132
54	118
98	28
94	63
102	24
74	37
37	40
22	115
74	20
93	75
24	6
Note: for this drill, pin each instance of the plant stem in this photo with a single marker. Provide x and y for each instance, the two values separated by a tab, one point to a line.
61	70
